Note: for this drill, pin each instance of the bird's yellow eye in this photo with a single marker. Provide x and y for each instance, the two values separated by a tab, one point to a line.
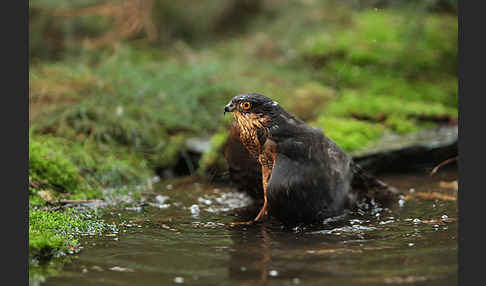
245	105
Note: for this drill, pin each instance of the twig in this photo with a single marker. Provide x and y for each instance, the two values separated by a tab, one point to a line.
65	202
442	164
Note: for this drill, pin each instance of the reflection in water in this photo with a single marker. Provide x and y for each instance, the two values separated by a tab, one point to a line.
413	244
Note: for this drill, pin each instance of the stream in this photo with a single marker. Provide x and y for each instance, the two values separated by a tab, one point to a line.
181	236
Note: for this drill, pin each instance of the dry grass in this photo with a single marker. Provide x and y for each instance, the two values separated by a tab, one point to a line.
131	18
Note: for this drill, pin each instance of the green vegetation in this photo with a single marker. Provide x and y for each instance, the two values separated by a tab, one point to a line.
350	134
49	168
54	233
392	68
137	101
74	170
212	160
61	169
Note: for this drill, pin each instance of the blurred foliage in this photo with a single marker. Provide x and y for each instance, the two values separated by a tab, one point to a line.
356	69
350	134
393	68
212	161
137	101
62	28
402	43
79	170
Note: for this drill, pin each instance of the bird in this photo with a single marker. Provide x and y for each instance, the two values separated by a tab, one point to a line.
302	175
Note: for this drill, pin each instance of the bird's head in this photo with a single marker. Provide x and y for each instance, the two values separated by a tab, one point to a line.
252	110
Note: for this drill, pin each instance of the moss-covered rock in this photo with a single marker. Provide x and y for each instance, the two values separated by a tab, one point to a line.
212	160
55	233
50	169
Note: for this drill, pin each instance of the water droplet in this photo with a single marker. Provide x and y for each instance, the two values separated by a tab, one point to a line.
161	199
179	280
273	273
121	269
119	110
204	201
412	190
195	210
411	244
243	268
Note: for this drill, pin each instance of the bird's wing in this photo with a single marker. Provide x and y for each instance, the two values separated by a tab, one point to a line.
364	186
308	181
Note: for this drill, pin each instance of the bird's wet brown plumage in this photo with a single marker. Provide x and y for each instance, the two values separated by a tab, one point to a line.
302	176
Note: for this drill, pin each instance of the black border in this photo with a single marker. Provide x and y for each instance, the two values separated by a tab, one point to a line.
471	147
15	123
461	203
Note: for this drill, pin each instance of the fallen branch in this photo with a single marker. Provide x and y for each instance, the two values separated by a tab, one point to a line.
442	164
76	202
433	195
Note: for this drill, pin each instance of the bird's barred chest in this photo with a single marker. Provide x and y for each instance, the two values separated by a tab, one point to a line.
265	154
253	136
266	159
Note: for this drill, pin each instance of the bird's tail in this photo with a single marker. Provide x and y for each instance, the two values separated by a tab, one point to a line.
366	187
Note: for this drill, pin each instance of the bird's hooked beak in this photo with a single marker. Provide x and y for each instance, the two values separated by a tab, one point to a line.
230	107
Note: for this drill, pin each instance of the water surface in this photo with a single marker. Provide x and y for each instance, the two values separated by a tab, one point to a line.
181	237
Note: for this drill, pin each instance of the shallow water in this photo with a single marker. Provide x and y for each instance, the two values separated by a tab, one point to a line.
171	241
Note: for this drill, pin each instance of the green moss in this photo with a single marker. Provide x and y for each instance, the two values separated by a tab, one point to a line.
145	105
401	124
109	166
404	42
53	233
371	80
388	67
352	103
79	170
212	159
349	134
49	167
